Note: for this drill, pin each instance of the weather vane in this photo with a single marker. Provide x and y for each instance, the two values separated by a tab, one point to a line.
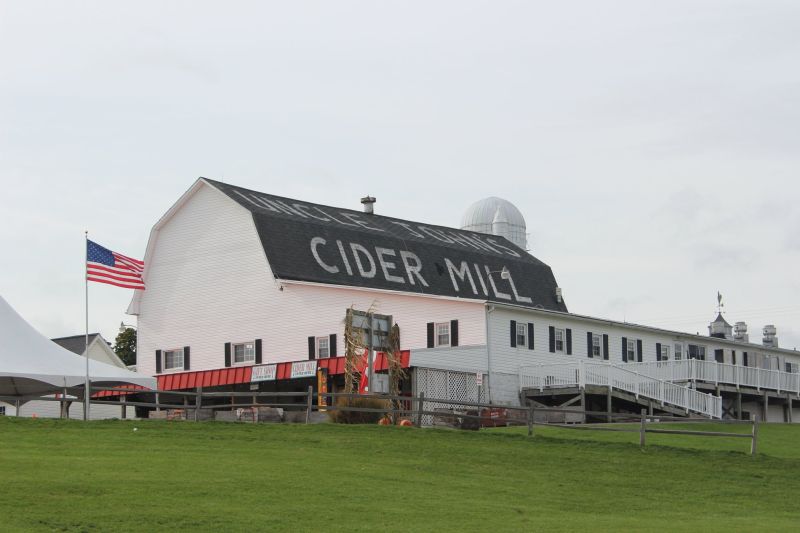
720	305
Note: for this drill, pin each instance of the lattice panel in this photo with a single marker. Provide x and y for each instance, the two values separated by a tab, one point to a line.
447	385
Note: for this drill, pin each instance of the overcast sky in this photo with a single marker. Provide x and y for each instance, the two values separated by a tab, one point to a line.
653	147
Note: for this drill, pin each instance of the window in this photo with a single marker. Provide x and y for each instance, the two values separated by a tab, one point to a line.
596	346
631	351
443	334
678	351
323	347
792	368
697	352
664	352
522	335
559	340
173	360
2	410
244	353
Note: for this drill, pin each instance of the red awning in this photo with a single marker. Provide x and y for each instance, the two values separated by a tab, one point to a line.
242	374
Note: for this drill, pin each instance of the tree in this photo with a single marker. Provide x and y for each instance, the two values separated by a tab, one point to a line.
125	346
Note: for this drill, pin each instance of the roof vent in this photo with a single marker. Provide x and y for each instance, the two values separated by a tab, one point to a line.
770	340
369	203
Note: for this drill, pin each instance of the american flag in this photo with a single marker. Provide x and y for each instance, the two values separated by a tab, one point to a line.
105	266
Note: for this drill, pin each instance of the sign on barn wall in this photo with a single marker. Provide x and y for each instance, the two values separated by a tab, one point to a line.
304	369
316	243
264	373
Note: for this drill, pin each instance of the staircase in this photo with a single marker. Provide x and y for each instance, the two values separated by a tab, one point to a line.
581	373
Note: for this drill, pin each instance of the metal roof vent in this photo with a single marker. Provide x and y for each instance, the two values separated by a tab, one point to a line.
369	204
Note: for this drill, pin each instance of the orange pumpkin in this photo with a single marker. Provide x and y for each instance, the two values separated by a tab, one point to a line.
406	422
385	421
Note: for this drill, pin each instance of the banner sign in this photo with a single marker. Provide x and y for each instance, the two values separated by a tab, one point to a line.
304	369
322	387
264	373
316	243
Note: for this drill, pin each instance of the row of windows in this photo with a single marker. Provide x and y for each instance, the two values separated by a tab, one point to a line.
632	348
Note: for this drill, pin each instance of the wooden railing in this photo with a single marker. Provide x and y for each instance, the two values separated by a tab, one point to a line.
580	373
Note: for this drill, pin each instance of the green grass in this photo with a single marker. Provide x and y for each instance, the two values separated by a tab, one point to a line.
102	476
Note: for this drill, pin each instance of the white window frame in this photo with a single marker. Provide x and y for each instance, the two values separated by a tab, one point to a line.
247	360
319	342
560	341
679	351
631	350
664	352
441	329
175	368
522	335
2	410
597	345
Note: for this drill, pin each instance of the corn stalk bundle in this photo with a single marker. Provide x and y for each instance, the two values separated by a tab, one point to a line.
396	370
353	348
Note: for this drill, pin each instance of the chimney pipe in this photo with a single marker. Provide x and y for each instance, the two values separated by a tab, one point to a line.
369	202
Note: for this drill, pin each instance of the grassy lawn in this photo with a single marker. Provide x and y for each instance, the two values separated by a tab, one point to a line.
102	476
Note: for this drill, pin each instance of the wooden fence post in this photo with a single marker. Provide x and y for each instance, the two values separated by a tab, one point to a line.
530	421
642	429
198	398
310	401
754	441
420	400
124	399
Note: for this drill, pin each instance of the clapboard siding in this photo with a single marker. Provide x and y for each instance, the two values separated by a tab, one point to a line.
505	358
460	358
208	283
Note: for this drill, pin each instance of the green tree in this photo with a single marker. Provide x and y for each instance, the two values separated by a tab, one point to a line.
125	346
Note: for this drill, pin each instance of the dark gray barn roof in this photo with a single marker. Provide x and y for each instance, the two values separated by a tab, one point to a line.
76	343
323	244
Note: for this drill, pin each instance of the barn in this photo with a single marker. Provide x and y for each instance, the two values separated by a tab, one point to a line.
249	291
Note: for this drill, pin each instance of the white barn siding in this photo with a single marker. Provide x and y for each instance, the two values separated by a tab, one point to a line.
504	358
209	283
461	358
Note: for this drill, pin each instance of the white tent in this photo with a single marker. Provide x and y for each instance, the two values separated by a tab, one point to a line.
32	365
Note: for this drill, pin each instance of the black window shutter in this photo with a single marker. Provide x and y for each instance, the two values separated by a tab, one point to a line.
454	333
227	354
530	335
658	351
624	349
430	334
569	341
639	350
186	360
744	358
605	347
158	361
733	356
719	356
589	344
332	345
312	348
513	333
552	339
258	352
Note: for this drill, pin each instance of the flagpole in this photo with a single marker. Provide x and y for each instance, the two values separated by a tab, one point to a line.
86	391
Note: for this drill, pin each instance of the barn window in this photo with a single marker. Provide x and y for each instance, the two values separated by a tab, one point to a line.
559	340
173	359
443	334
522	335
664	352
697	351
2	410
323	347
631	350
678	351
244	352
595	345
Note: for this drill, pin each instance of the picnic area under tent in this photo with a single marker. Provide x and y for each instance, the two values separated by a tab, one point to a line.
33	366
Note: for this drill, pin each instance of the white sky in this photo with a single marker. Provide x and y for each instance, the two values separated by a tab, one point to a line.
653	147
